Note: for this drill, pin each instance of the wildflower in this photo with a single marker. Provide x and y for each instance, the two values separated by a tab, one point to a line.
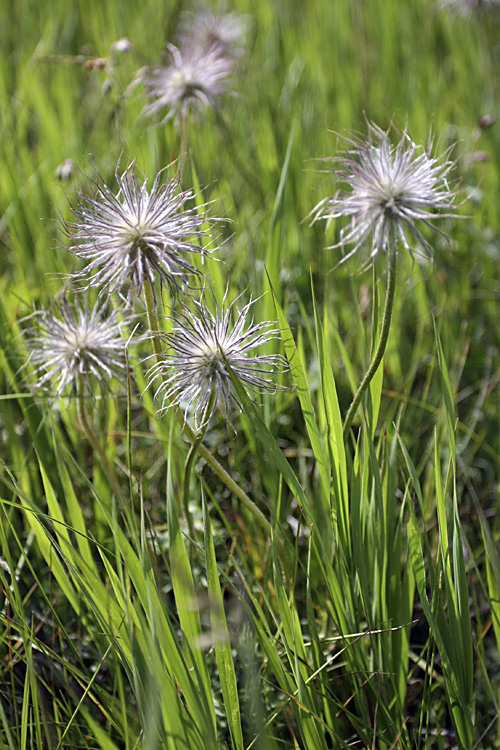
195	372
467	8
195	78
389	190
76	347
206	29
137	234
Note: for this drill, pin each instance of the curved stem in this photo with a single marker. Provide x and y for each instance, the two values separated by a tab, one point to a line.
384	335
193	450
96	446
189	433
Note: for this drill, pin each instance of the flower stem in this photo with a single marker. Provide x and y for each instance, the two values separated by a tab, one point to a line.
189	433
190	461
152	319
384	335
96	446
184	138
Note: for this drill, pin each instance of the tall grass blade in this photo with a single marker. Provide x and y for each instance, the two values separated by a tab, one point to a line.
221	638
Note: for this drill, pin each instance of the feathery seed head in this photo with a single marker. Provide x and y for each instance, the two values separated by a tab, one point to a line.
207	29
389	190
467	8
137	234
195	372
77	344
194	78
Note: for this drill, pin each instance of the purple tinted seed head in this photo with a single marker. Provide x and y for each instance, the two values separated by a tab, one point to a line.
206	29
194	79
74	346
137	234
388	191
194	372
468	8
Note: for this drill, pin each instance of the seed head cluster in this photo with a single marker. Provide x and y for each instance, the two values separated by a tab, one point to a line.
75	346
388	191
137	234
202	344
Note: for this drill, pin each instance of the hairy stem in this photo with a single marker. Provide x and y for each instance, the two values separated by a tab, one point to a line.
184	140
193	451
152	319
384	335
96	446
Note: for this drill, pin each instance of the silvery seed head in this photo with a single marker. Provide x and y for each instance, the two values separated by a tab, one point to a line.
467	8
76	347
207	29
194	79
194	372
137	234
389	190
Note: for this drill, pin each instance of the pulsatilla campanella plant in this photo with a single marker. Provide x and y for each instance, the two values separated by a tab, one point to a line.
468	8
138	234
194	78
202	344
75	347
388	191
207	29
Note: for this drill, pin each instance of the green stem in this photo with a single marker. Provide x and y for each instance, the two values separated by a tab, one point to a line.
152	319
384	335
189	433
184	141
96	446
190	461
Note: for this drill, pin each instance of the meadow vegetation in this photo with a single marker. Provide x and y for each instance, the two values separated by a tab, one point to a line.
227	567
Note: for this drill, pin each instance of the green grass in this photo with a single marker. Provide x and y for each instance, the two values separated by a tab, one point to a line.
347	594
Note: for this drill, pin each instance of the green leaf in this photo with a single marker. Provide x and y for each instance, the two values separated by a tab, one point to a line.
335	439
302	386
271	447
221	638
187	604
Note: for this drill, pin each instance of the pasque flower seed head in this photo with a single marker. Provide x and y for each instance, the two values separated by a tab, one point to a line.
389	190
467	8
137	234
194	372
76	345
194	78
206	29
